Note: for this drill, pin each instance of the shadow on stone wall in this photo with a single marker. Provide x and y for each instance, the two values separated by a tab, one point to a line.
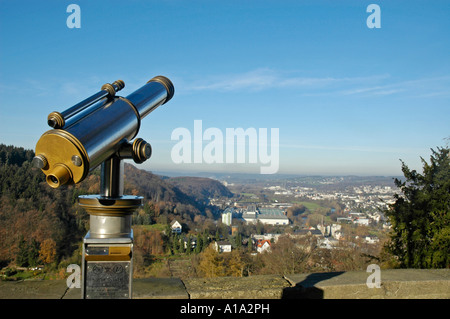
306	288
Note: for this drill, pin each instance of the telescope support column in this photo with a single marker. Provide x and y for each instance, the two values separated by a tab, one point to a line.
111	184
107	261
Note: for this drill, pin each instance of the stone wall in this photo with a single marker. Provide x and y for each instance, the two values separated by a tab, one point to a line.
395	284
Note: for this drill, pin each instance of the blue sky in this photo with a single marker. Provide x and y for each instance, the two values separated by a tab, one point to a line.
346	99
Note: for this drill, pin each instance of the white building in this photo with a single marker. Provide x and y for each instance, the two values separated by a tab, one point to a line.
362	221
176	227
371	239
272	216
327	243
262	246
337	235
227	217
344	220
334	229
222	246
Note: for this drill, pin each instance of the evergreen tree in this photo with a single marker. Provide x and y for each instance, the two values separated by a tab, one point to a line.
175	244
205	241
238	240
189	245
180	244
199	246
33	252
420	216
22	254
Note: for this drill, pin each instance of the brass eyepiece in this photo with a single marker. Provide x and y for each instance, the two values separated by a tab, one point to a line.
59	176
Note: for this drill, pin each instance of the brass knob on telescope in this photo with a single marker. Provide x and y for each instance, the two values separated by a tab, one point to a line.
56	120
114	87
139	151
39	161
142	151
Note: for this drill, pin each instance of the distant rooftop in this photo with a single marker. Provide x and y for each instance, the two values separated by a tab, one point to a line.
268	212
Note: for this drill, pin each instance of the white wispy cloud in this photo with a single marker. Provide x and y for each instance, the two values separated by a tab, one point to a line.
265	78
424	87
356	148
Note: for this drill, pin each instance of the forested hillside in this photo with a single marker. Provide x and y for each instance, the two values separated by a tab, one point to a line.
200	188
38	222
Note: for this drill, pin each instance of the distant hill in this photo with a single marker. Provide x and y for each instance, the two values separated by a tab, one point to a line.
200	188
185	190
153	187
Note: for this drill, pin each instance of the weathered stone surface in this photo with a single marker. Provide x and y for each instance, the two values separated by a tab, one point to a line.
72	293
254	287
32	289
159	288
148	288
395	284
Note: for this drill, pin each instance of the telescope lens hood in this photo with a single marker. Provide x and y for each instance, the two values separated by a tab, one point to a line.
167	84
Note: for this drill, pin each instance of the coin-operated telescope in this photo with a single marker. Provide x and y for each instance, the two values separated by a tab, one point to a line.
100	131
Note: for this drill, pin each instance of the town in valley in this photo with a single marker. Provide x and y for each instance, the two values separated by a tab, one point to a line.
317	213
330	201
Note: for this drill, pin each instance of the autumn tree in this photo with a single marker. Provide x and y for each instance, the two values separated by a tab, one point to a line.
420	216
211	263
47	252
237	263
148	242
288	255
